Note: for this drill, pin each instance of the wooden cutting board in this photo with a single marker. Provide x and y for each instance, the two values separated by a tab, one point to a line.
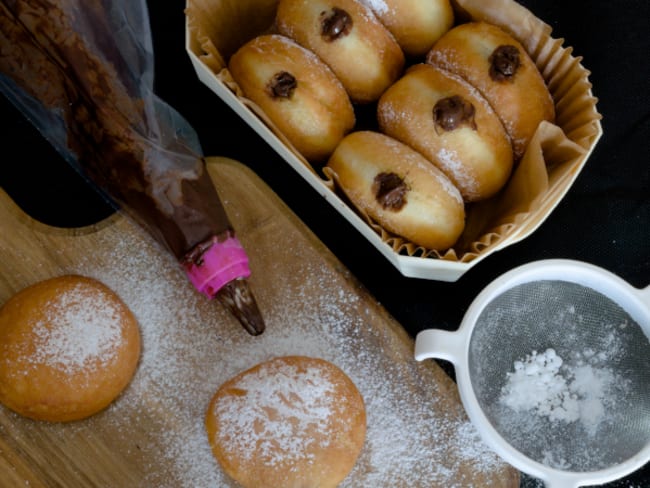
152	435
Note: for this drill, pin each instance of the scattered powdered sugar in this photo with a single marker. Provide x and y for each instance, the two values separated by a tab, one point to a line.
191	346
77	330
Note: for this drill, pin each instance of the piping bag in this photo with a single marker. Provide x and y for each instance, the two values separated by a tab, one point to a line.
82	72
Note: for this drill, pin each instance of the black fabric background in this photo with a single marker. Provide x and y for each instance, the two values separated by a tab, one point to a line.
604	219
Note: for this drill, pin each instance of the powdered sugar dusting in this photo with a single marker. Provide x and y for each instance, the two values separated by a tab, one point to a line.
380	7
275	418
76	332
452	165
191	346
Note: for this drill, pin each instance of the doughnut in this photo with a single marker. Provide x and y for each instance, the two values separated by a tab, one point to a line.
348	37
291	421
68	347
497	65
415	24
452	125
399	188
297	91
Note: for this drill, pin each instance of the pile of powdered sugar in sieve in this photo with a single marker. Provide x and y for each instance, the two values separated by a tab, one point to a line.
546	385
187	354
559	409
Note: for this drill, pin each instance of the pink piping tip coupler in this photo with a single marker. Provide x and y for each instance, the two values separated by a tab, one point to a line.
219	270
221	263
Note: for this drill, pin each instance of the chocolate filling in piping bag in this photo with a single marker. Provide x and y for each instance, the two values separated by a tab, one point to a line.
82	72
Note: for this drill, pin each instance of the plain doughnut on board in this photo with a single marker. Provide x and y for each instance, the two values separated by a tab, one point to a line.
68	346
290	421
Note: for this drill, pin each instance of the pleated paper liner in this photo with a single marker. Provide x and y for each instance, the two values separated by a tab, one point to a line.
553	159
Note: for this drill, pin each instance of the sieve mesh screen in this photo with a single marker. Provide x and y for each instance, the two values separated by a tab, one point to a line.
588	413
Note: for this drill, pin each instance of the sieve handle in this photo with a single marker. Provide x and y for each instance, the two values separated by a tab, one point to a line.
440	344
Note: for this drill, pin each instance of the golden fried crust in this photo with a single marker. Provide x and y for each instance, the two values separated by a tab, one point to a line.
292	421
68	347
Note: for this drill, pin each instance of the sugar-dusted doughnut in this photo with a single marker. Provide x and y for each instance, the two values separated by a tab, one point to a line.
451	124
297	91
68	347
291	421
415	24
348	37
399	188
498	66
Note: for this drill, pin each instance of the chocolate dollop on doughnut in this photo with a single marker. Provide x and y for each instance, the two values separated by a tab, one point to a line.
504	63
452	112
390	190
335	23
282	85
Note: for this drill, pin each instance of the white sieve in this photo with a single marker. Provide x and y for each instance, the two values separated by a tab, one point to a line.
552	366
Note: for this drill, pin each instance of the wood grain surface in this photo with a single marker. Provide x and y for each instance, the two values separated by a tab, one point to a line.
151	435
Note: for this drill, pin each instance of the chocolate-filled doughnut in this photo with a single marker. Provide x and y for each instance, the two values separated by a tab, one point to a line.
348	37
441	116
399	188
297	91
498	66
